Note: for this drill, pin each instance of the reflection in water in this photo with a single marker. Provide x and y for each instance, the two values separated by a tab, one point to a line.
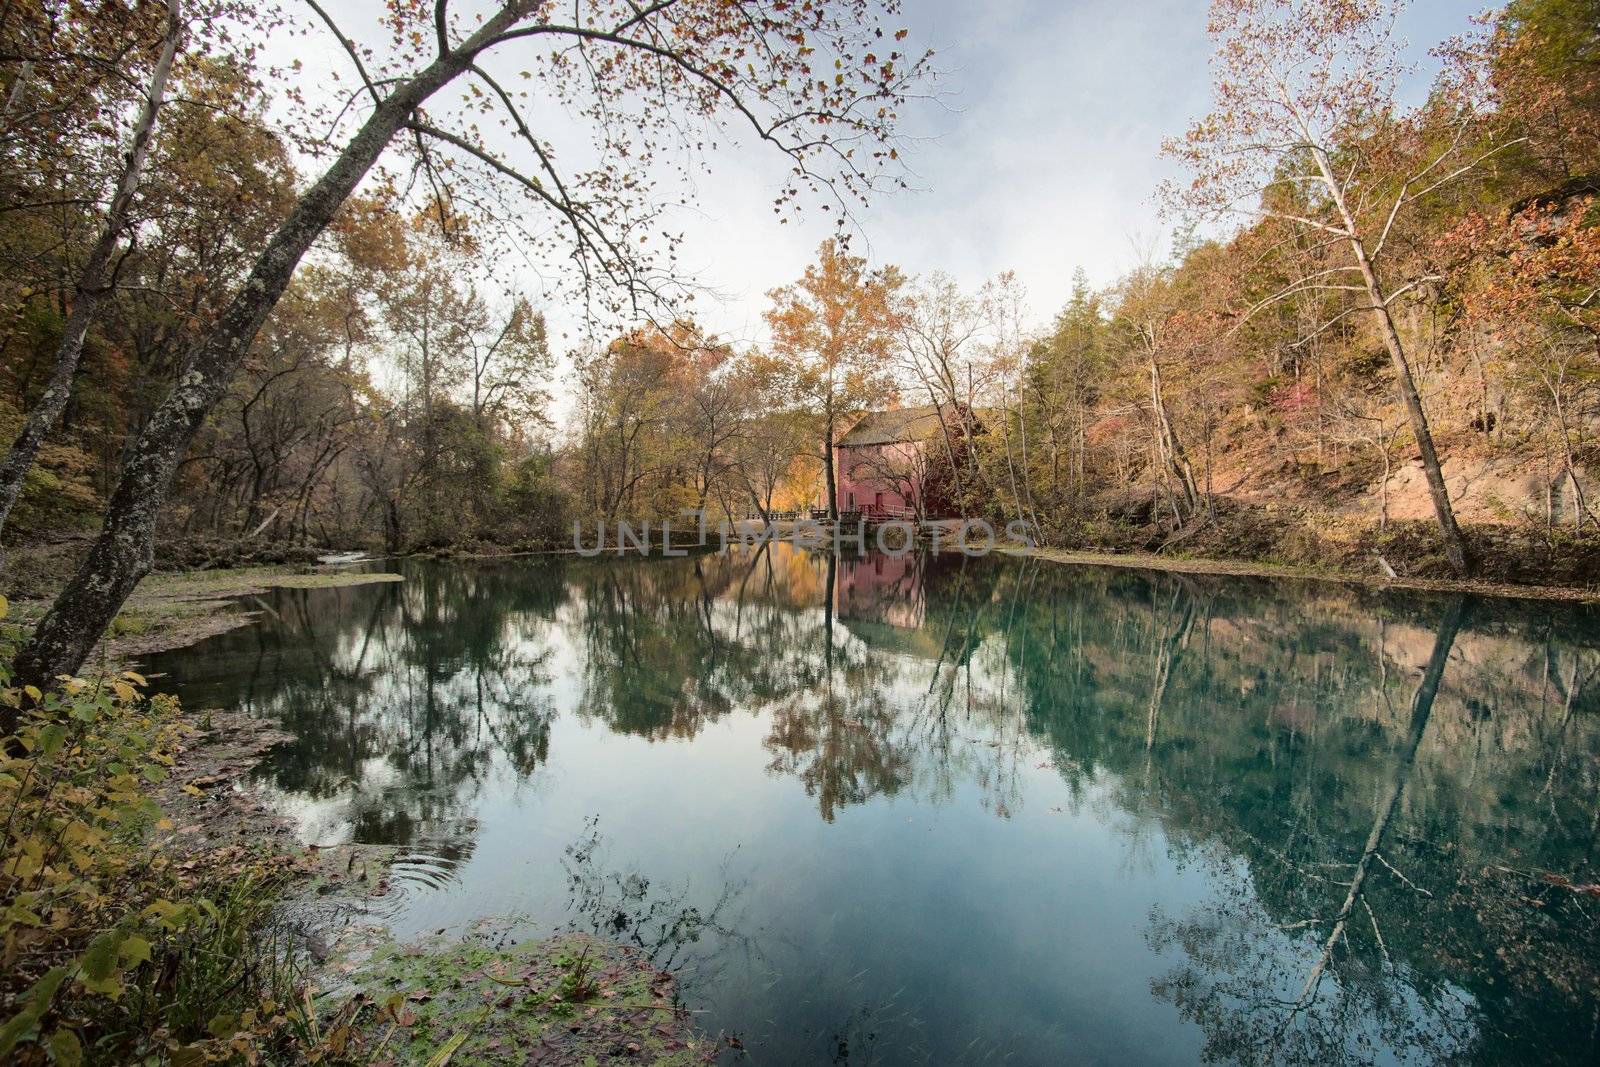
980	808
630	907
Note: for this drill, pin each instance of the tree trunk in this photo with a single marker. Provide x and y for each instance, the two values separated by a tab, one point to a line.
125	549
96	279
1172	450
1383	490
827	467
1455	546
1027	469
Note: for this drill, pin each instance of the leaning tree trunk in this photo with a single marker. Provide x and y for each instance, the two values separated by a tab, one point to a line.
1172	450
125	549
1455	546
94	282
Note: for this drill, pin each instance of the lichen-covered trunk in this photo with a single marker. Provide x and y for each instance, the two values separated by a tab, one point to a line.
94	281
124	551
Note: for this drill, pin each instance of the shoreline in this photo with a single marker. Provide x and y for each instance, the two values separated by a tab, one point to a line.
176	609
1247	569
423	997
1172	564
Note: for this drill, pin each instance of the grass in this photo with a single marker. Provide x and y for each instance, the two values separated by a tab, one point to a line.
244	580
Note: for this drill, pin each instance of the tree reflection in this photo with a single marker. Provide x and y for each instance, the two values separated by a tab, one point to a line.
1235	989
663	921
1395	806
402	699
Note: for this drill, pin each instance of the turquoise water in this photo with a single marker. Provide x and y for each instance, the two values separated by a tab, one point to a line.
948	810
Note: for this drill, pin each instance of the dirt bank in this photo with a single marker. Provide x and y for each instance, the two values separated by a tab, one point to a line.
1181	565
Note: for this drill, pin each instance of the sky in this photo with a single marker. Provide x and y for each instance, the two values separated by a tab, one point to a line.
1041	156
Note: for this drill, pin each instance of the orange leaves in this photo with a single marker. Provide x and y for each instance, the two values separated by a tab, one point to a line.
1540	265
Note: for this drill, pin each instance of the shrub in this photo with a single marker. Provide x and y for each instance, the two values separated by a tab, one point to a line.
112	948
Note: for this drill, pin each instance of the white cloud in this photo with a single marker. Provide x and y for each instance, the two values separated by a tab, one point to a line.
1043	156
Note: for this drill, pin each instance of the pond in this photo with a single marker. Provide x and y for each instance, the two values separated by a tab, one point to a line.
939	809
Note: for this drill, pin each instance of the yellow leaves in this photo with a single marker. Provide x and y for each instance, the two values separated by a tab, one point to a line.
134	950
26	860
76	875
166	914
79	833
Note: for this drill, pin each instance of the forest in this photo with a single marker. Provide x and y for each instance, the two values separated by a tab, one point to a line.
1374	336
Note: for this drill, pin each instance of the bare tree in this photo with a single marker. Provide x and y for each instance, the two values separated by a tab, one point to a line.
942	332
1149	315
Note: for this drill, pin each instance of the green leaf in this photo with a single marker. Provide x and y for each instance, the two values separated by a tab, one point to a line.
134	950
22	916
98	967
65	1048
51	738
37	1002
170	916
